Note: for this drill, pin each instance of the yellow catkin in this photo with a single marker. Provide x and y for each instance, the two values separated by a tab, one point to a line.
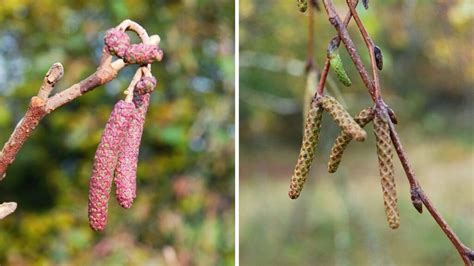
363	118
308	147
302	5
343	118
385	158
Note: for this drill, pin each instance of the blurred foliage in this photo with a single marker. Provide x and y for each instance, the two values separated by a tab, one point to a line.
428	79
184	212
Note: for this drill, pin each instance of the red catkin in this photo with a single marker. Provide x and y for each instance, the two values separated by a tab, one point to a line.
117	42
142	54
105	161
126	171
145	85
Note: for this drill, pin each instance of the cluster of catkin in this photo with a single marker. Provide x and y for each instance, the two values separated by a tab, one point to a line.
351	128
116	157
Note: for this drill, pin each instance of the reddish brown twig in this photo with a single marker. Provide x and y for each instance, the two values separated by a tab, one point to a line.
327	64
373	86
43	103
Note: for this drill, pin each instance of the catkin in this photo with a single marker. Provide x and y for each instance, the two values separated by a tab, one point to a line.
308	148
302	5
363	118
117	42
126	172
343	118
336	64
142	54
104	164
385	158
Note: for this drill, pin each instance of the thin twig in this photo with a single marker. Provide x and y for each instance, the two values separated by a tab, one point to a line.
350	46
417	194
373	87
327	64
370	46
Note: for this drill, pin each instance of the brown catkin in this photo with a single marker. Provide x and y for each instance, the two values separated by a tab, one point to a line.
312	129
385	157
363	118
343	118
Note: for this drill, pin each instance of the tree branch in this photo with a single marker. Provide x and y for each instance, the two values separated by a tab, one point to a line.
417	194
327	64
43	104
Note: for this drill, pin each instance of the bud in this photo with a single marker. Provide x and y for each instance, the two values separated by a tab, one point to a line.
104	163
302	5
378	57
142	54
336	63
126	172
310	140
362	119
385	159
392	116
343	118
365	3
117	42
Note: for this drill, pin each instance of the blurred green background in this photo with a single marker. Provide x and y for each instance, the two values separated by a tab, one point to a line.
184	211
339	219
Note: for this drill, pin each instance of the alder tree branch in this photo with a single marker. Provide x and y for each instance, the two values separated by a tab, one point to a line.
418	196
43	104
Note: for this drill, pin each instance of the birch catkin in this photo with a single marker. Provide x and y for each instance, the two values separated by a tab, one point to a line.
126	172
385	158
302	5
104	164
343	118
308	147
363	118
338	67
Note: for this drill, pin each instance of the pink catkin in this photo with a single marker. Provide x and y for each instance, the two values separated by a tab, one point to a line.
145	85
126	171
105	161
117	42
142	54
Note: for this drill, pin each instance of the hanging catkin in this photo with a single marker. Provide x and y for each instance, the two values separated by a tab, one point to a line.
104	163
385	158
126	172
362	119
343	118
308	147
